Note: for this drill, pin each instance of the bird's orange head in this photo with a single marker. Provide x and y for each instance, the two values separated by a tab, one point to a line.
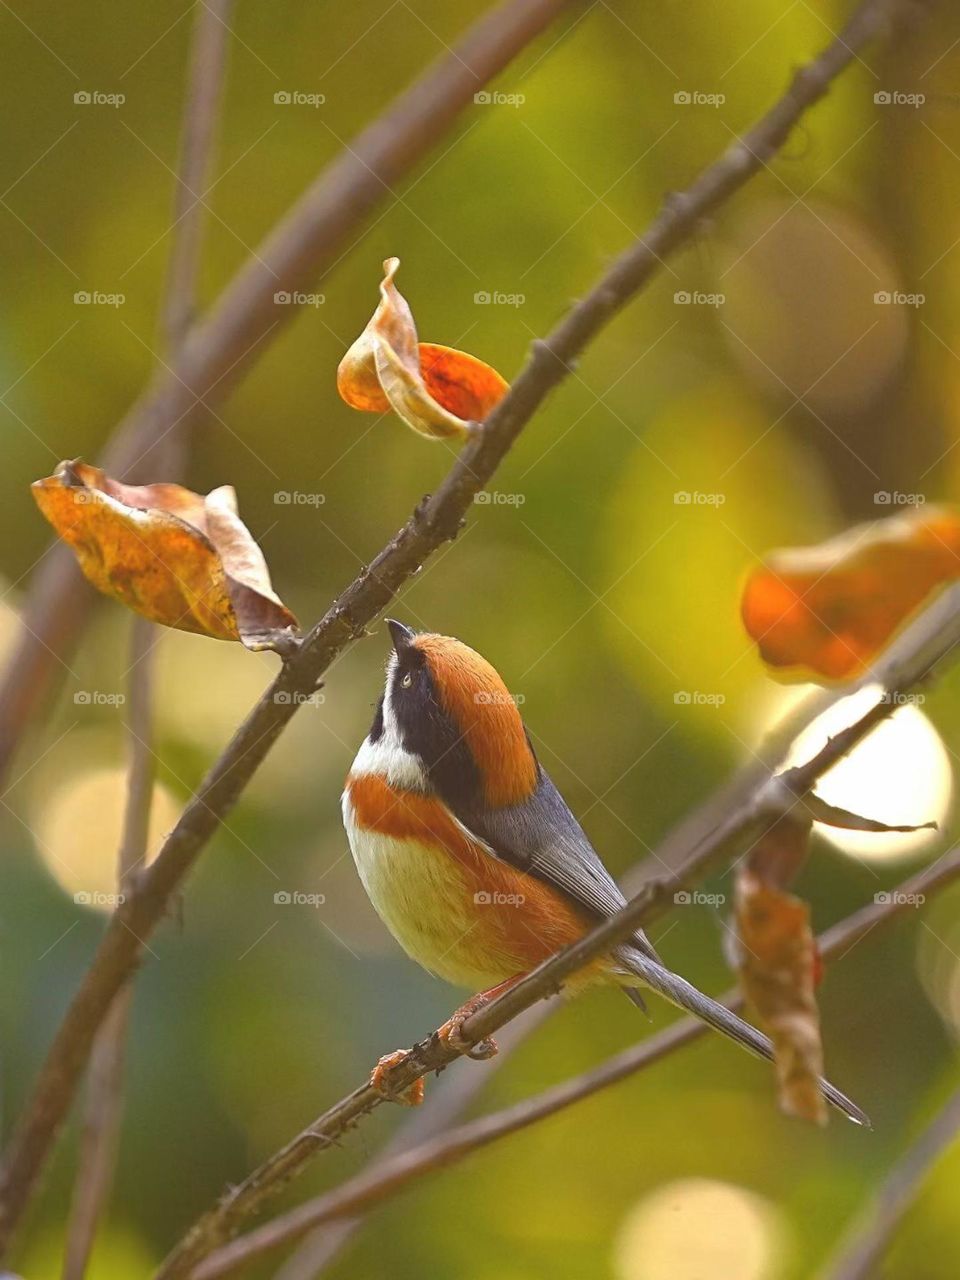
453	712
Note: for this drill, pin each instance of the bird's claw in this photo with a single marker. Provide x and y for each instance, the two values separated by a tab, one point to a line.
411	1096
451	1036
451	1033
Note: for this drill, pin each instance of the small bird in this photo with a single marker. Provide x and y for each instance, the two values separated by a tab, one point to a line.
472	858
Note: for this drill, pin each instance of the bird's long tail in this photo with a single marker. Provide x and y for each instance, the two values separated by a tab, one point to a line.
686	996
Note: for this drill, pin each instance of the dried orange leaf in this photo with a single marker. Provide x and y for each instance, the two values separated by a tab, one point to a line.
460	382
410	400
778	968
172	555
435	390
825	612
390	325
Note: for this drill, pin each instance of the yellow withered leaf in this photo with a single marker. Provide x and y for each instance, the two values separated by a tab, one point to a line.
436	390
178	558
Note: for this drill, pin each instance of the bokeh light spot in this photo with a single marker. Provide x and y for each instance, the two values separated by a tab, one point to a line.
900	774
806	314
78	828
696	1228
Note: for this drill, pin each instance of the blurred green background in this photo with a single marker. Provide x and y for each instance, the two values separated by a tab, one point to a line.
784	396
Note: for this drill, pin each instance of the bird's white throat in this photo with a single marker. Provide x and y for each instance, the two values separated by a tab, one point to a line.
386	755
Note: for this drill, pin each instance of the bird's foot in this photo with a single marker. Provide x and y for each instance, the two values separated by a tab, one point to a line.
451	1033
411	1096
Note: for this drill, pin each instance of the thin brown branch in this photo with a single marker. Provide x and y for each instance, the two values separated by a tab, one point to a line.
205	83
390	1176
873	1234
931	638
449	1098
206	78
104	1104
307	241
436	520
99	1139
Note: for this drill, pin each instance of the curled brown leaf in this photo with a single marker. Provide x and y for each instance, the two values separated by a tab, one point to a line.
178	558
436	390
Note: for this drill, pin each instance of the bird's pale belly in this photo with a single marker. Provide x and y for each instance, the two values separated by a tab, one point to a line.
423	899
454	908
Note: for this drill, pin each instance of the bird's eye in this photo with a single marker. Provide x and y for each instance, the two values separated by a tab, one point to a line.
407	680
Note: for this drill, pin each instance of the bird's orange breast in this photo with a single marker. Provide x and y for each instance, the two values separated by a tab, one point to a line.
457	909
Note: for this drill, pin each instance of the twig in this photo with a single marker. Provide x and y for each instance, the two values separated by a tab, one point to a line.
388	1177
104	1104
449	1097
436	520
912	658
303	244
104	1107
873	1234
205	84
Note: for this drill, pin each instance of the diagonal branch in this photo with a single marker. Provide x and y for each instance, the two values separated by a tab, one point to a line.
927	642
389	1176
305	242
436	520
449	1098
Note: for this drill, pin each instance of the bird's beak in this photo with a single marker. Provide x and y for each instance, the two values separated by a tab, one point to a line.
402	636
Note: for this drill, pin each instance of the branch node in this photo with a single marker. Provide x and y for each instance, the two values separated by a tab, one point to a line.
776	796
421	517
543	352
287	646
677	205
805	82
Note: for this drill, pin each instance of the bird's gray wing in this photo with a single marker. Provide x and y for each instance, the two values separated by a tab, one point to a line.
542	837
